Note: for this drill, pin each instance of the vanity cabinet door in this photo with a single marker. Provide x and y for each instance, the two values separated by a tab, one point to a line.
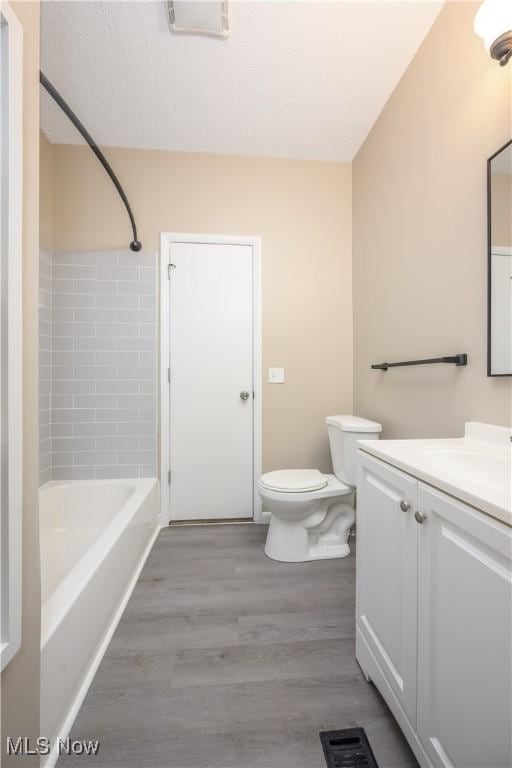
387	568
464	637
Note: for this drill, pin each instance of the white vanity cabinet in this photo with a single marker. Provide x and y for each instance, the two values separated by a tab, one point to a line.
387	575
464	634
434	617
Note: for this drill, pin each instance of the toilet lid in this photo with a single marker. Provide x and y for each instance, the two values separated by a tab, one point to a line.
294	480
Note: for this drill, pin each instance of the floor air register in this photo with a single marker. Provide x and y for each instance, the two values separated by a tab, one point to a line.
348	748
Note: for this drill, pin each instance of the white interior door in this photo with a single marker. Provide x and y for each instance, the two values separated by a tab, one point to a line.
211	381
501	309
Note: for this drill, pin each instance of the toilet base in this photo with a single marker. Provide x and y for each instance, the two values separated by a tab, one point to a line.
316	553
323	536
327	552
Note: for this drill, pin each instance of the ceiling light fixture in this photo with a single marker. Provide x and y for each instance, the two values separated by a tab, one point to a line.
493	23
199	17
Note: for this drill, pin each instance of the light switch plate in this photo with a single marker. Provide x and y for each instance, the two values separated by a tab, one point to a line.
276	375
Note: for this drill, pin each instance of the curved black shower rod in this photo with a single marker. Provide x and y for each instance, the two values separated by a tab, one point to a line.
135	245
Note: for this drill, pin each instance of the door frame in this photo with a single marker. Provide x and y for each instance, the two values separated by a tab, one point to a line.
167	239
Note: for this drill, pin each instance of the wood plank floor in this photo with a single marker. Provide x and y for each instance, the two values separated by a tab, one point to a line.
226	659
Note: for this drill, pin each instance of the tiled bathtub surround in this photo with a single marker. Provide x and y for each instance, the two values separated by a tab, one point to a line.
103	378
45	361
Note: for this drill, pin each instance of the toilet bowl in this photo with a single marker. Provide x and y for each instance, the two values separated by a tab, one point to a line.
307	524
312	512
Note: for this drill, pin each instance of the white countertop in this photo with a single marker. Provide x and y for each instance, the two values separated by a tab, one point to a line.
475	468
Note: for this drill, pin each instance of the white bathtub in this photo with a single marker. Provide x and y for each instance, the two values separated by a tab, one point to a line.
95	536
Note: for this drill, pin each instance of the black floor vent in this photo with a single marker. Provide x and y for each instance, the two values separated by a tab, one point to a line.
348	748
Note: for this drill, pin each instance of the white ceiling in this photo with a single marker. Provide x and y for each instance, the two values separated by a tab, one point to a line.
294	79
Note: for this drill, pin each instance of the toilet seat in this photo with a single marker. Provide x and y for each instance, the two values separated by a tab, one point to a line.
294	480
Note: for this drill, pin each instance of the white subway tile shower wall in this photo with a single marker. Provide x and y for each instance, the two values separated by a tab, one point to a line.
45	362
104	365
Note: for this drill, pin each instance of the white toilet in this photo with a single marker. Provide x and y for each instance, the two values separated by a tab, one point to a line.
311	512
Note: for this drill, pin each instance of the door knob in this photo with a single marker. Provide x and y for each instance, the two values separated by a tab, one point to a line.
244	395
419	517
404	506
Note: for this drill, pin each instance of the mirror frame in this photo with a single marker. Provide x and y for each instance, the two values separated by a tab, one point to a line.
489	261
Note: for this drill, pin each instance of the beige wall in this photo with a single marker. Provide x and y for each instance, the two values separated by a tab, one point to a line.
302	211
46	193
20	679
419	187
501	221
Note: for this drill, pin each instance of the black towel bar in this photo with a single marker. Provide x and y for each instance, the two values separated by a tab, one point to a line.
461	359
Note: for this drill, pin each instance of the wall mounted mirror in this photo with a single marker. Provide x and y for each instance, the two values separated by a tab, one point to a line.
499	201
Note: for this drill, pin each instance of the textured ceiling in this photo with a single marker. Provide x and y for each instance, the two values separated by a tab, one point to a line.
294	79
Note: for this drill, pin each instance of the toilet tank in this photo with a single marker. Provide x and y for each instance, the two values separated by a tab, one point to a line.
344	432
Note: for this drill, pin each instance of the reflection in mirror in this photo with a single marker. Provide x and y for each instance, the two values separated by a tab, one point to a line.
500	263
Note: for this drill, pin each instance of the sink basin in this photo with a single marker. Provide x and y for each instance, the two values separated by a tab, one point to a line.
476	468
472	466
